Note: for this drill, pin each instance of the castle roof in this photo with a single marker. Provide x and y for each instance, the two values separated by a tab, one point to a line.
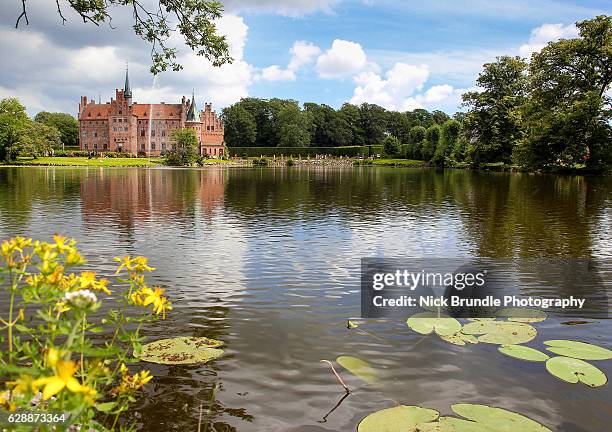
193	115
158	111
127	90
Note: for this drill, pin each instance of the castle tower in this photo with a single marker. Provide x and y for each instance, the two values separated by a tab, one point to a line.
193	121
127	90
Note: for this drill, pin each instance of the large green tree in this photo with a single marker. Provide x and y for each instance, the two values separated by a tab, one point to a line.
13	120
568	116
67	126
292	125
373	122
155	22
329	128
38	139
239	125
432	138
349	113
417	137
493	122
185	147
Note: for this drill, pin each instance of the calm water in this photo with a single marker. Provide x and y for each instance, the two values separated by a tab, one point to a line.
267	260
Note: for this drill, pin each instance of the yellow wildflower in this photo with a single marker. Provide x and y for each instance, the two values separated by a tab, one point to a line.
61	245
88	280
73	257
131	383
64	378
146	296
137	264
22	385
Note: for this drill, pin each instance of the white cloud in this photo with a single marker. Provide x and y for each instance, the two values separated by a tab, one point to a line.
290	8
343	59
302	53
395	90
540	36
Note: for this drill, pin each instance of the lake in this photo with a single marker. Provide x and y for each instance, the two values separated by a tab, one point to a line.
268	260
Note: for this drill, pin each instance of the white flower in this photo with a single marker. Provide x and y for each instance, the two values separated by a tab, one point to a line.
81	297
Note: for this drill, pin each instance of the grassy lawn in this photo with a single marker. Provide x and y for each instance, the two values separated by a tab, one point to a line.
96	162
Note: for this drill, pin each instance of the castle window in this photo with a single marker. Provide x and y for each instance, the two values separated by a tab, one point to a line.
163	146
153	146
95	146
163	133
141	132
153	133
120	112
212	128
105	146
96	134
207	128
142	147
89	114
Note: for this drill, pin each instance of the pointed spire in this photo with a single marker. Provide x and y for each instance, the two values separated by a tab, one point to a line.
127	91
192	113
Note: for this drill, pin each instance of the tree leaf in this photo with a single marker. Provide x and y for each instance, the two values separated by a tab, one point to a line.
181	350
359	368
501	332
427	322
403	418
575	370
579	350
523	353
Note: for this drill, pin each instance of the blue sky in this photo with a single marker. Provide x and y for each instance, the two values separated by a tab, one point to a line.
399	54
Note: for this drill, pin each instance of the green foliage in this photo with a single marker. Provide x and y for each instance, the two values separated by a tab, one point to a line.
37	139
51	323
568	115
293	126
185	147
67	126
417	138
391	146
432	137
493	122
13	120
155	23
240	126
350	151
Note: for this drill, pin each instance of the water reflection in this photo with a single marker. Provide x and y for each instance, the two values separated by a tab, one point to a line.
267	260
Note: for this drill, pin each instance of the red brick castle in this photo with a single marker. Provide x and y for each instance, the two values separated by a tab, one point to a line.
129	127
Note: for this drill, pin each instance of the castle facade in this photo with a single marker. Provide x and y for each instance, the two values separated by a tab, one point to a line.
144	129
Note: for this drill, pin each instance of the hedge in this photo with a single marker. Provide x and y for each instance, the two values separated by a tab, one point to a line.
299	151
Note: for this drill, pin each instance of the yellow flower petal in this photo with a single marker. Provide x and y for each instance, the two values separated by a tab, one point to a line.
54	386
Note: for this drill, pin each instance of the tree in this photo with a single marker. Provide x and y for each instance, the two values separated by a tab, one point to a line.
432	137
449	136
373	122
493	121
239	125
292	126
398	125
568	117
185	147
155	24
350	114
67	126
417	136
420	117
391	145
37	139
13	120
439	117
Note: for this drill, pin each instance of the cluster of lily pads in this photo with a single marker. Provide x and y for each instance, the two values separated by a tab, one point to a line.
476	418
569	365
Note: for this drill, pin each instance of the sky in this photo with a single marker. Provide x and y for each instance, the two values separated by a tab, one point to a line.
401	55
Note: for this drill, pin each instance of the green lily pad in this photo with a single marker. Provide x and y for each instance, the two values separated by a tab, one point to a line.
523	353
495	419
481	319
403	418
460	339
427	322
579	350
360	368
525	315
181	350
351	325
453	424
575	370
501	332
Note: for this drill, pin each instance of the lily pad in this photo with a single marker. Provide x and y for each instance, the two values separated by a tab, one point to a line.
181	350
575	370
453	424
501	332
523	353
351	325
495	419
579	350
481	319
427	322
525	315
360	368
460	339
403	418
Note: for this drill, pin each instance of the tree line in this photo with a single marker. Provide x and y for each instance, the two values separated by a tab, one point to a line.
553	111
22	136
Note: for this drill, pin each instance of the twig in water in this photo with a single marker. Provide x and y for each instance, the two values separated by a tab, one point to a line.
324	419
200	419
337	376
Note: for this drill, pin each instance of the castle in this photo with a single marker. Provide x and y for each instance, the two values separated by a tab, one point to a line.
144	129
